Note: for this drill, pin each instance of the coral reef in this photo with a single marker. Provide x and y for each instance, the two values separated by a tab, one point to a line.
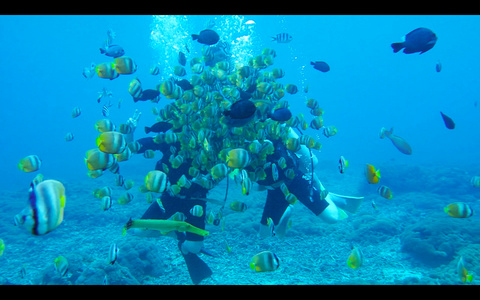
438	238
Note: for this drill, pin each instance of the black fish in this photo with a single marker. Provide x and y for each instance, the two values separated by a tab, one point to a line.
112	51
181	58
281	114
241	109
147	95
418	40
321	66
184	84
282	38
207	37
448	121
159	127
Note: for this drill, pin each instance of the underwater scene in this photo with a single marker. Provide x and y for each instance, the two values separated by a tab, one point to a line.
240	150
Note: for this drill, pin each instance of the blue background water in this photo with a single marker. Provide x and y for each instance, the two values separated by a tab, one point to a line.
368	86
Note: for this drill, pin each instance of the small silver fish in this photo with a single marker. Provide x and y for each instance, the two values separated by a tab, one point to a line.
105	110
112	254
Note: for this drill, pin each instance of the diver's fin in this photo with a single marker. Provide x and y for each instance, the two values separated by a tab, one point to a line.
197	268
348	203
282	226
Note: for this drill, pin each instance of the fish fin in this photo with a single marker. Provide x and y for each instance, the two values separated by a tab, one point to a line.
397	47
252	266
378	174
62	201
127	226
469	278
346	163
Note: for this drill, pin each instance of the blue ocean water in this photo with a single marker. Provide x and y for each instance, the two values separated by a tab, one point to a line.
368	87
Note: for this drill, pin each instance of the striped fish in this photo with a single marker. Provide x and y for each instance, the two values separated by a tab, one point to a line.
106	202
105	110
46	203
113	254
282	38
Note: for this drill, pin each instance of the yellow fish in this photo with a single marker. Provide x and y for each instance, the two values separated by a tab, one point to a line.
372	175
98	160
100	193
111	142
107	71
238	206
164	226
2	247
156	181
125	65
46	204
265	261
238	158
125	198
459	210
104	125
30	163
61	265
385	192
355	260
462	271
219	171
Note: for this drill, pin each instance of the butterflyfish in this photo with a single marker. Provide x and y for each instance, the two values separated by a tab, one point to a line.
385	192
45	207
30	163
459	210
462	271
355	260
265	261
111	142
156	181
372	175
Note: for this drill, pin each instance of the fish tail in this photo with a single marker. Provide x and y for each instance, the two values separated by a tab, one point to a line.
274	38
147	129
397	47
195	36
127	226
469	278
378	174
196	230
252	266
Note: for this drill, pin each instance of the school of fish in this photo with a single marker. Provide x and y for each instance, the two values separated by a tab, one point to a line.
224	117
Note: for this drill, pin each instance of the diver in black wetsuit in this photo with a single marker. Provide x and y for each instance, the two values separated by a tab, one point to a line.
305	186
189	244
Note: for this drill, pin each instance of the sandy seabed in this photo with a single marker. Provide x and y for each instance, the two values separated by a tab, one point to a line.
312	253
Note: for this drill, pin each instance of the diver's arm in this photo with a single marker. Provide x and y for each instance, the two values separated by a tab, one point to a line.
133	123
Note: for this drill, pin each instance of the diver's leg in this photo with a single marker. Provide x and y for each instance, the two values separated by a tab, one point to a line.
191	244
310	196
275	207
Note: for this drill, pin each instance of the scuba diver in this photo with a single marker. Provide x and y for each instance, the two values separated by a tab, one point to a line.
306	186
190	244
